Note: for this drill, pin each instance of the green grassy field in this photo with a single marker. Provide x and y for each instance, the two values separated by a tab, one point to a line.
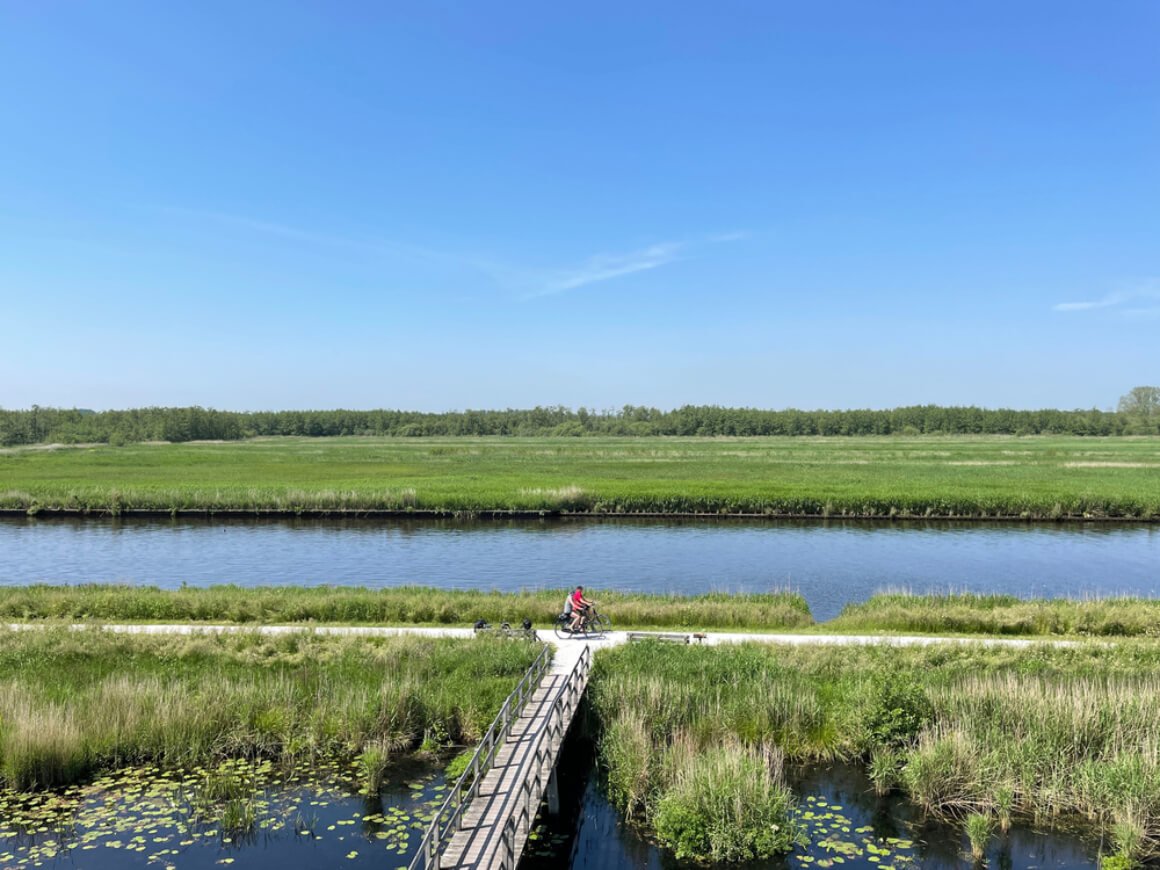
983	476
73	703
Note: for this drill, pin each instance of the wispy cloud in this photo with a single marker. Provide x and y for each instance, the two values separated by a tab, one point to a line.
1148	290
531	282
602	267
606	266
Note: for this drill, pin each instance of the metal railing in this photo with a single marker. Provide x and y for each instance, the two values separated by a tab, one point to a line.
449	818
531	791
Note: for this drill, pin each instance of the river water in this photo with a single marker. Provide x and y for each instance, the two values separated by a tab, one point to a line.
829	562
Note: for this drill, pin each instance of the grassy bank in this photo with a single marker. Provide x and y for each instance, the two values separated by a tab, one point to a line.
408	605
995	732
75	703
904	613
949	476
966	613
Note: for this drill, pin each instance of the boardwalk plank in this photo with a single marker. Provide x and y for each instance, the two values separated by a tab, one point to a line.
479	843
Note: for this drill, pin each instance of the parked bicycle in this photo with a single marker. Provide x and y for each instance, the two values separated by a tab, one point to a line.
592	625
505	629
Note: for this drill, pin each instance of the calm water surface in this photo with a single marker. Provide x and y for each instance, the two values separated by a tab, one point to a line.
831	563
147	819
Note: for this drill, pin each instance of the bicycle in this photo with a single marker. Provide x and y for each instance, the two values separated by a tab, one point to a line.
505	629
592	625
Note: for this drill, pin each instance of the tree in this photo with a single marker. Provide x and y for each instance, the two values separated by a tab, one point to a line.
1141	402
1141	409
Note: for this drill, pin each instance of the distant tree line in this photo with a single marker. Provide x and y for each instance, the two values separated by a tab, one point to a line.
74	426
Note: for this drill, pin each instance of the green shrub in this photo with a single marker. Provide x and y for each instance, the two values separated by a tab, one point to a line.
899	712
1117	862
457	765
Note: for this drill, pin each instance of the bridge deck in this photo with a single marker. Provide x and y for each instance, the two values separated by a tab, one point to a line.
479	843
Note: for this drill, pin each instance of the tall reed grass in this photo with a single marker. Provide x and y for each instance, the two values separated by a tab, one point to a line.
1046	732
406	605
970	613
73	703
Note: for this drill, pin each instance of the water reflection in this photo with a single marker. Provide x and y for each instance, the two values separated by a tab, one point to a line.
830	562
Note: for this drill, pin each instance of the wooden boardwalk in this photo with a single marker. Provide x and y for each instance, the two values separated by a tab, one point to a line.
495	824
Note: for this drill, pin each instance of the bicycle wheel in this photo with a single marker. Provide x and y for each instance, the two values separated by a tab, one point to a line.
597	625
561	628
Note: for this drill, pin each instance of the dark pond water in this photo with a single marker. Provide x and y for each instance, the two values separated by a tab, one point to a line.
847	824
144	818
831	563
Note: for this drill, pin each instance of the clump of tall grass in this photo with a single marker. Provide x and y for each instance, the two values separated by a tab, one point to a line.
629	752
1004	803
406	605
979	827
970	613
372	764
724	803
883	769
74	702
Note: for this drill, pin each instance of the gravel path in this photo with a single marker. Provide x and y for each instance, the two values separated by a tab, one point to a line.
615	638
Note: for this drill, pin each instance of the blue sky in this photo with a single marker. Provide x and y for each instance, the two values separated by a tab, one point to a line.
450	205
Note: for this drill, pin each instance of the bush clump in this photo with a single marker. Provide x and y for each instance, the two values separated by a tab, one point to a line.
900	711
725	804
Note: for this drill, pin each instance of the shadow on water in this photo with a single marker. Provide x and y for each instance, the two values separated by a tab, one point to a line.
848	826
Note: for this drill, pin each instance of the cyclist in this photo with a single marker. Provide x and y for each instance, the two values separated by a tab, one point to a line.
580	606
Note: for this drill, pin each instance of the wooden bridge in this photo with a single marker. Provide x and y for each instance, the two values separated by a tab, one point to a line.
485	821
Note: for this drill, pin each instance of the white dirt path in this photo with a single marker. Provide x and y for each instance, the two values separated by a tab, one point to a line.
614	638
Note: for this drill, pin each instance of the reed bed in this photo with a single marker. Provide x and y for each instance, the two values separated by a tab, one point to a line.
965	732
408	605
73	703
934	476
968	613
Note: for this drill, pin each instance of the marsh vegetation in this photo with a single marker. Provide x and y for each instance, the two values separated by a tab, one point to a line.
408	605
890	612
967	613
970	734
75	703
934	476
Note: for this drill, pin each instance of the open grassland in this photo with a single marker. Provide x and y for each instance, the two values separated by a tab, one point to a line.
408	605
952	476
74	703
966	613
963	731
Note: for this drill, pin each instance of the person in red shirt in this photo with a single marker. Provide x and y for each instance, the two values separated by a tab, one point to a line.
580	606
